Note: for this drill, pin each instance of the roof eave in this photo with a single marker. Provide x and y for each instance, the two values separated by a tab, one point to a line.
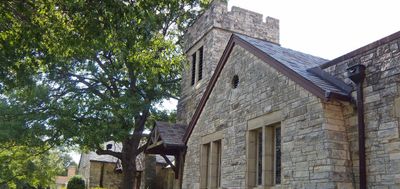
303	82
306	84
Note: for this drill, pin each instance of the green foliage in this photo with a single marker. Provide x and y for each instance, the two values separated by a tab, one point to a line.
66	161
86	72
28	166
76	182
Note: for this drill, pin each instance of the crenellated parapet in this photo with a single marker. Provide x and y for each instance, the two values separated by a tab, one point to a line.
238	20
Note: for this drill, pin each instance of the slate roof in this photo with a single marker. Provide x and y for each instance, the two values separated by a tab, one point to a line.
301	63
166	139
117	147
171	134
304	69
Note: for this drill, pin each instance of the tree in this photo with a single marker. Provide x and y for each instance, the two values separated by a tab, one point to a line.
86	72
67	161
26	166
76	182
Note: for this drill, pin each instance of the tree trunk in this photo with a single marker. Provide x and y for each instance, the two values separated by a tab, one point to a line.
128	165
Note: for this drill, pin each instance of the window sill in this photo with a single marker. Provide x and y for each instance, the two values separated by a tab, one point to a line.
268	187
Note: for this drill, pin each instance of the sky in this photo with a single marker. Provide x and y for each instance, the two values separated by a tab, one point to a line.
328	28
324	28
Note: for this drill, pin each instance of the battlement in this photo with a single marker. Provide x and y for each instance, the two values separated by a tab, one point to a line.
206	40
238	20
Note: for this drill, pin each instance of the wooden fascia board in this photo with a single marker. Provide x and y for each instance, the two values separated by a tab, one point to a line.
154	145
305	83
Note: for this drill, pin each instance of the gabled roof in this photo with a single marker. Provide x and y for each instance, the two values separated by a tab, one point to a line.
299	67
92	156
166	138
303	65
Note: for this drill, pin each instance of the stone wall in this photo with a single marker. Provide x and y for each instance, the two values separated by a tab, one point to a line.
212	31
315	152
381	92
84	168
237	20
165	178
111	180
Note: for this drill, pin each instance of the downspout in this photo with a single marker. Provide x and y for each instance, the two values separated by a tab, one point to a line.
356	74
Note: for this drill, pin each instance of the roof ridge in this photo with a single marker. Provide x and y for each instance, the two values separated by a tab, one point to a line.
293	73
279	45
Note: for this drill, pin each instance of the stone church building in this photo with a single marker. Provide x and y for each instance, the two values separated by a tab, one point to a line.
254	114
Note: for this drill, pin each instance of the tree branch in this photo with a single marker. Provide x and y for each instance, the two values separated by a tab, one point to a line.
89	85
113	89
109	152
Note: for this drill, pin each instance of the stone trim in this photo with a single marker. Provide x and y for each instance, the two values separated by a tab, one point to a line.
397	107
195	47
219	135
235	40
210	160
194	81
267	125
267	119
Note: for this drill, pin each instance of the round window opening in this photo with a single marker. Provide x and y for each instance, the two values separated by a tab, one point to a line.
235	81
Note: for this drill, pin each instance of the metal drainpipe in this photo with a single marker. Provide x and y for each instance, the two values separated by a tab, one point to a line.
357	74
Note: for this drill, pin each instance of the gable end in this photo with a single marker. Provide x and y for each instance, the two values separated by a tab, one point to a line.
288	72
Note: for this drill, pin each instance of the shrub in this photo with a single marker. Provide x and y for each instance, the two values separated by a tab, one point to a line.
76	182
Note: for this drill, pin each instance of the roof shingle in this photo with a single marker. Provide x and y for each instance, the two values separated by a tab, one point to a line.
300	63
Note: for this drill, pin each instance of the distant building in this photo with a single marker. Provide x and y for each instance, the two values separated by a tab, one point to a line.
62	181
105	171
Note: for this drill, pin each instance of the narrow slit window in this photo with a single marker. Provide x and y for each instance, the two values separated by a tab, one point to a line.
259	157
200	76
277	155
218	163
193	68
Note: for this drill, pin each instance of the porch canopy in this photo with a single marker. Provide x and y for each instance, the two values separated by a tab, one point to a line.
166	139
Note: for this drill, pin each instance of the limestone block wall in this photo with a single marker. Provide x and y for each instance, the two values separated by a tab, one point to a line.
212	31
315	152
111	179
237	20
213	46
84	168
382	107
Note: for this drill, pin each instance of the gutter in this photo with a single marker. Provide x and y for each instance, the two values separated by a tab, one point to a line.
356	74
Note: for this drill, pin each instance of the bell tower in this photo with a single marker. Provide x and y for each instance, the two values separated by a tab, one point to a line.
204	43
